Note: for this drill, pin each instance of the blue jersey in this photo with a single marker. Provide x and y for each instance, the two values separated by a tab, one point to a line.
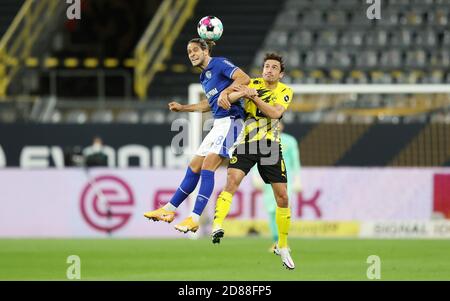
216	77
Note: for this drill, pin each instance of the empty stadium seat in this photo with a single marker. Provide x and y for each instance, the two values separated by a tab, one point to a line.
8	116
377	38
277	39
401	38
415	58
425	38
76	116
127	117
302	39
56	117
352	38
102	116
347	4
340	59
420	118
287	20
153	116
391	58
312	19
327	38
337	18
316	58
367	59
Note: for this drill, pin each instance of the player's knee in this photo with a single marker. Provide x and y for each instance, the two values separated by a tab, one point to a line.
211	162
195	168
196	164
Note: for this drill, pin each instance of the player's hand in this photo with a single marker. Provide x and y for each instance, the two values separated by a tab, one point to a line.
175	106
251	93
223	101
248	92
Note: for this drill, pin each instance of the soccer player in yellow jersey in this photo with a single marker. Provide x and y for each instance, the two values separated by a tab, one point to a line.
259	143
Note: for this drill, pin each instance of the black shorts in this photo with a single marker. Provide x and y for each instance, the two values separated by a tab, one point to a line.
269	160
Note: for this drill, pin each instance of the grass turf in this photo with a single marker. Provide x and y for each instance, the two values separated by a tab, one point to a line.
233	259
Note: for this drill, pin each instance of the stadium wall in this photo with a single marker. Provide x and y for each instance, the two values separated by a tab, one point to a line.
149	145
335	202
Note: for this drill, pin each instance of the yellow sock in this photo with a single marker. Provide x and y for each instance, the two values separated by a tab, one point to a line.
223	205
283	219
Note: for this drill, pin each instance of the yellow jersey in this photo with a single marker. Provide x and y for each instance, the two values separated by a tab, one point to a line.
257	125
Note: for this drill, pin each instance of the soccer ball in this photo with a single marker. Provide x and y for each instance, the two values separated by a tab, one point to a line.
210	28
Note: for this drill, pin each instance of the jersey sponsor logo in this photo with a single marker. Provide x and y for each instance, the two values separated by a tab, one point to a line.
208	74
211	93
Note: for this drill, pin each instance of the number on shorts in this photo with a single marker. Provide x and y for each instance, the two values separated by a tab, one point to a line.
219	140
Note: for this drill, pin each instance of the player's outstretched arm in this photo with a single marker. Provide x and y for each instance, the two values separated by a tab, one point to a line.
202	106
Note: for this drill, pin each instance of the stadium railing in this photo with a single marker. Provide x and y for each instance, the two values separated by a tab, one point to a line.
17	43
156	43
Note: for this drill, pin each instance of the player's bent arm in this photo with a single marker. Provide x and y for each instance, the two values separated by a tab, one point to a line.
274	112
239	78
235	96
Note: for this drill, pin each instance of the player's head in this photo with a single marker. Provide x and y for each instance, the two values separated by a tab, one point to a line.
199	51
273	68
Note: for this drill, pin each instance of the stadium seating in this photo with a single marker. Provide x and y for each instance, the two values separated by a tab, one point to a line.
323	41
408	37
102	116
76	116
127	117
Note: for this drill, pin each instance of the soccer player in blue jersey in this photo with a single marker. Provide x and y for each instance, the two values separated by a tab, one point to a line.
219	77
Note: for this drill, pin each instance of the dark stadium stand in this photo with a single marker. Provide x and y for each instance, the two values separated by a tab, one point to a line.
8	10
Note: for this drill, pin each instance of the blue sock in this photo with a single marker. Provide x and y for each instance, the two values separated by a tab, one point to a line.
186	187
205	191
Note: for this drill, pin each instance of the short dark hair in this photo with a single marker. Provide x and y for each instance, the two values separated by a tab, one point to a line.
275	57
204	44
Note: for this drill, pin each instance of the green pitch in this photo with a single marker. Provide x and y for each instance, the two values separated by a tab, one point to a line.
233	259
